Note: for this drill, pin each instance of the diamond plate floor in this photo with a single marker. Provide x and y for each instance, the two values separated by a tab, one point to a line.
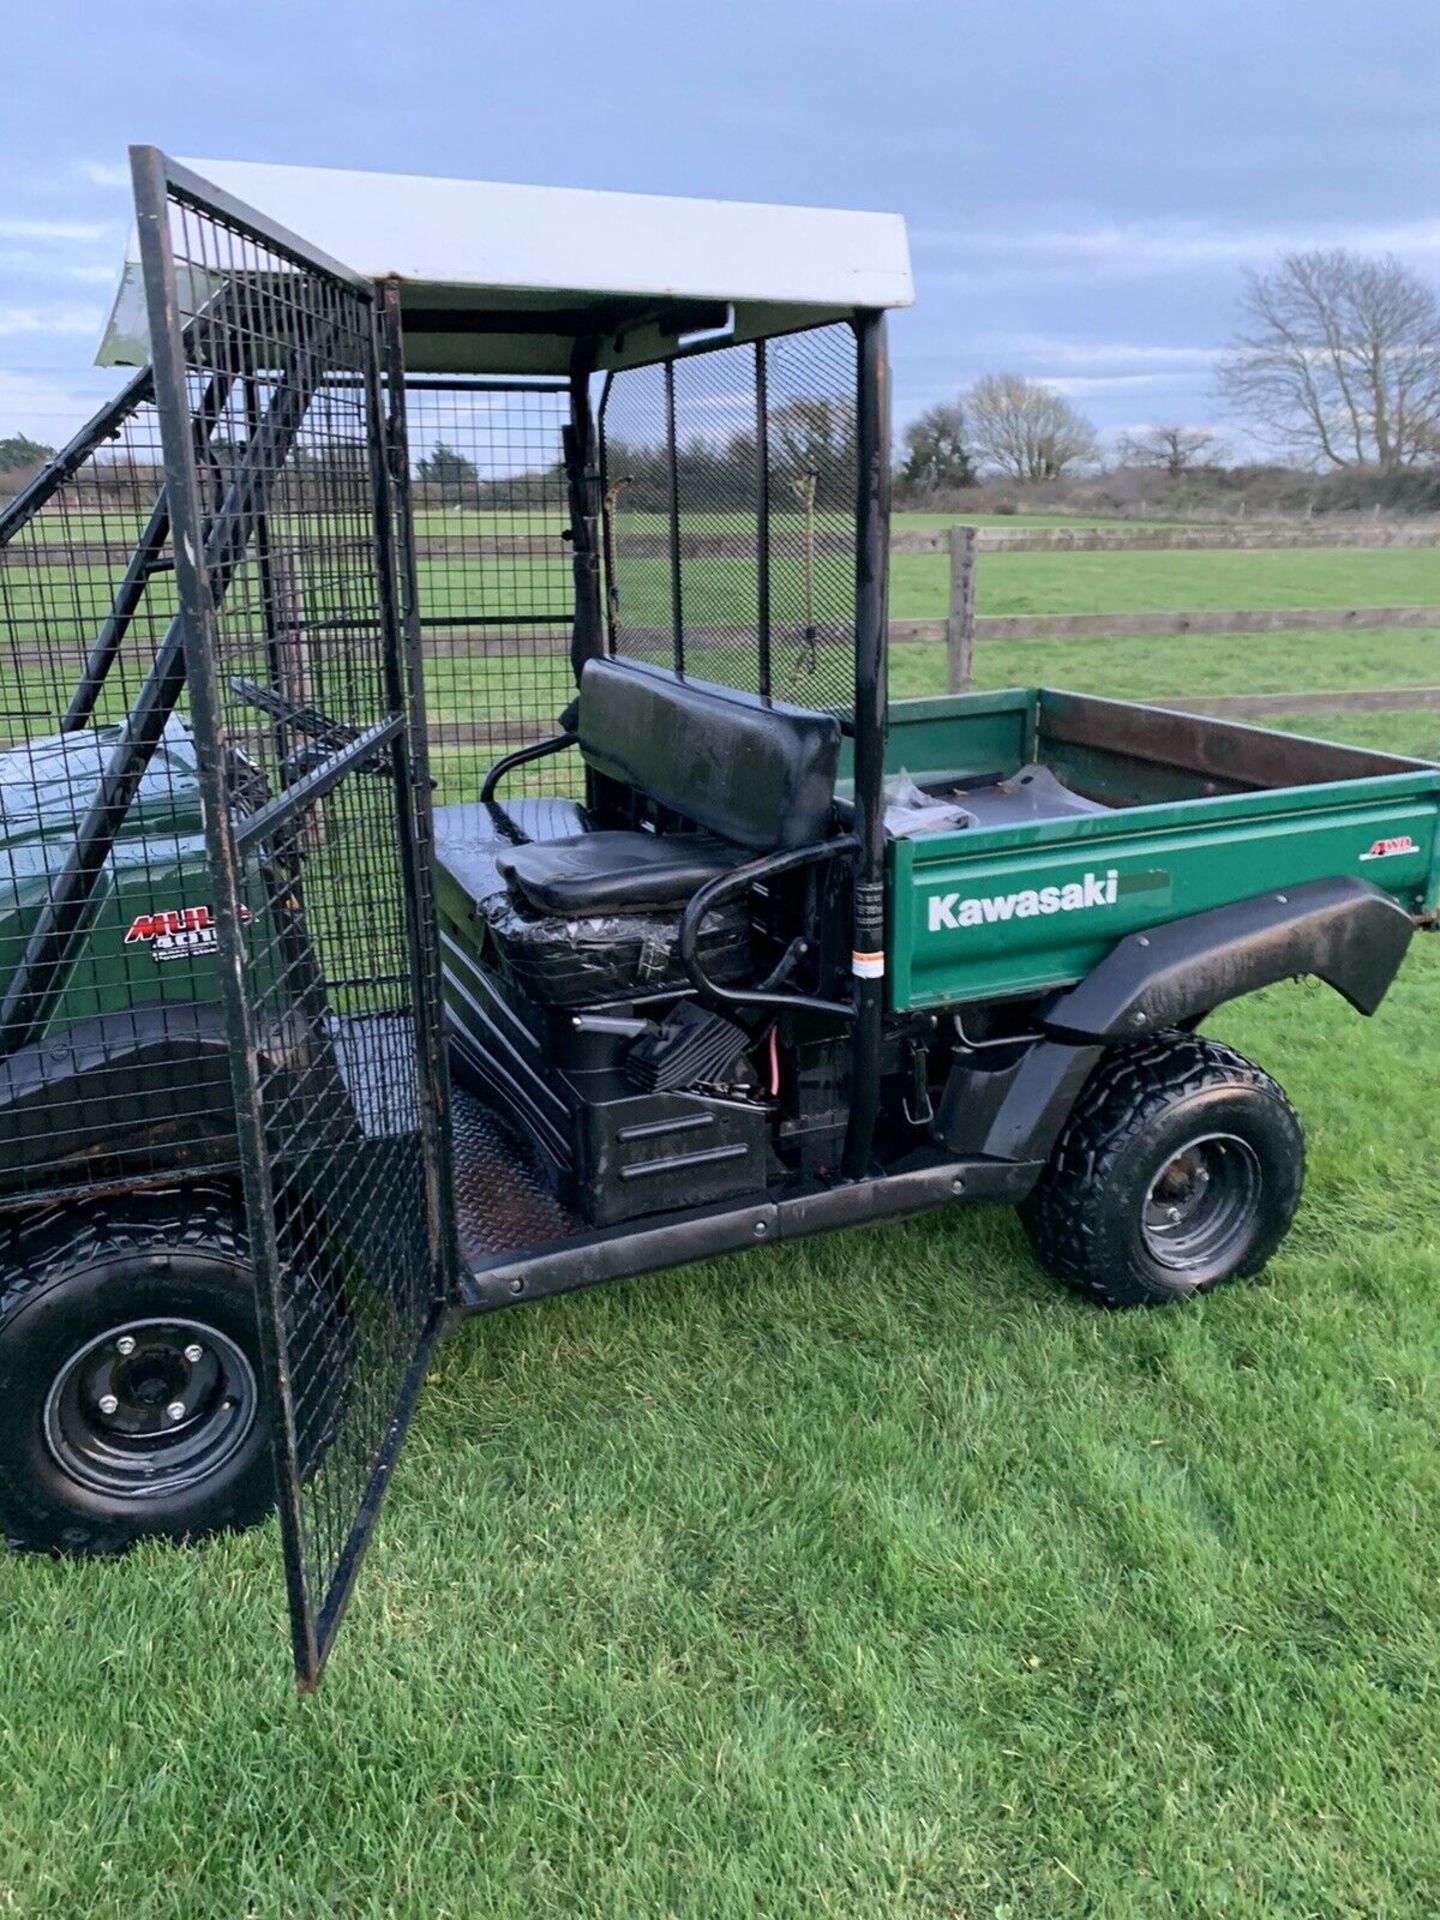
503	1202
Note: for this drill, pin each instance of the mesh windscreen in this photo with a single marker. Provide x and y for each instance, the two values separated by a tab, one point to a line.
811	381
731	482
495	582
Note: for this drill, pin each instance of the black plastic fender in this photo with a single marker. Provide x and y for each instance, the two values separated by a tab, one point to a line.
148	1090
1344	931
118	1086
1013	1110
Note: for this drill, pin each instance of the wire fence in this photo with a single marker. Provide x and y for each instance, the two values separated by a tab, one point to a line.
495	583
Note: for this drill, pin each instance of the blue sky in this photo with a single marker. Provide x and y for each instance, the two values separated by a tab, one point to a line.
1084	182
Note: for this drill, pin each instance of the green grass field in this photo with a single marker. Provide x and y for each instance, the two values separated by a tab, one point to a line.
869	1577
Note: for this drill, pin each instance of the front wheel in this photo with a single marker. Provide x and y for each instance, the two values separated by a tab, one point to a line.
1179	1168
130	1381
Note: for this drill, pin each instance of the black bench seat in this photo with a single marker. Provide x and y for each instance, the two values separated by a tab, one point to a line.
578	915
616	872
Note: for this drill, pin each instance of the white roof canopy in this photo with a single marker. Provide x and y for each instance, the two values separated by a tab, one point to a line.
503	279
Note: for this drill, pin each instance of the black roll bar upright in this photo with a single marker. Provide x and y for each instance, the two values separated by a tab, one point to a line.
872	536
582	480
672	462
762	520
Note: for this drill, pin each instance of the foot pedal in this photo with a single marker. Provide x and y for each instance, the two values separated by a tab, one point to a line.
690	1047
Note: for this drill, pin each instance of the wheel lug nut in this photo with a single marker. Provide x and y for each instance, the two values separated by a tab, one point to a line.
108	1403
175	1410
125	1344
194	1353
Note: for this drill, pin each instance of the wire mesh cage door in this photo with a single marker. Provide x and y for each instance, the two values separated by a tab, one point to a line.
305	698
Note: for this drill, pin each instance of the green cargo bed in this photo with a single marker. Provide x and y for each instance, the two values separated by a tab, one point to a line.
1092	819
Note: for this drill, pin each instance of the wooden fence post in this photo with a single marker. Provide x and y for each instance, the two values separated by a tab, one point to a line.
960	616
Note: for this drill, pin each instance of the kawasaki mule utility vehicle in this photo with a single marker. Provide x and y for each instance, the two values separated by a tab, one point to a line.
455	846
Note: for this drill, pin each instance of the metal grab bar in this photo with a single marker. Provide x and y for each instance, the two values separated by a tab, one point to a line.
521	757
736	881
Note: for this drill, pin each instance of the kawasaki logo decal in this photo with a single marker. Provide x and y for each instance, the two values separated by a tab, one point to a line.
981	910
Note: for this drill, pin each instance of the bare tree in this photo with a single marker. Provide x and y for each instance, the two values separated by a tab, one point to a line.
1338	361
937	450
1174	451
1027	430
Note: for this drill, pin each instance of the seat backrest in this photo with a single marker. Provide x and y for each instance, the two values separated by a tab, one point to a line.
757	772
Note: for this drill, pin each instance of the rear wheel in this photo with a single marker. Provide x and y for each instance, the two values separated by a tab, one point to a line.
1180	1168
130	1398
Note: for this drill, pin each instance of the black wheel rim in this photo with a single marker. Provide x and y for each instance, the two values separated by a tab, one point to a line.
1200	1208
151	1407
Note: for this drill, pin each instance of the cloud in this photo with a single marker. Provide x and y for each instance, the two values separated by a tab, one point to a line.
1068	355
100	173
108	175
50	320
33	265
57	232
50	410
1077	383
1138	248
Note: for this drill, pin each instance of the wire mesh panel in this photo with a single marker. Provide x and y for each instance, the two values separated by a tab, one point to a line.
496	588
638	502
113	1059
730	484
307	734
811	384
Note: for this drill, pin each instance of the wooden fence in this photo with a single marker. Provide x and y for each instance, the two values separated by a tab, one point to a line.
1256	537
962	628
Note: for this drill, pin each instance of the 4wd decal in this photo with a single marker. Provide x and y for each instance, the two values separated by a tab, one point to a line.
178	934
979	910
1384	849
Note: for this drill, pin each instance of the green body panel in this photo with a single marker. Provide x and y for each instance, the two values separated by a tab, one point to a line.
158	867
986	731
1132	867
985	913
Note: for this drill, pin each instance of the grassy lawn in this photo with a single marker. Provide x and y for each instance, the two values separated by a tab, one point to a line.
869	1577
1138	668
1018	583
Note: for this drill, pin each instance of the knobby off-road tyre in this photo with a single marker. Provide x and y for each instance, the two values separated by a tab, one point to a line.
131	1389
1179	1168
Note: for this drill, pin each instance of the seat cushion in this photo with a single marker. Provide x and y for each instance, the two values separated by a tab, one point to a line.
755	771
615	872
470	837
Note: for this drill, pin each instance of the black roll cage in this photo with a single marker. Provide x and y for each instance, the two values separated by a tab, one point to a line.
241	519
